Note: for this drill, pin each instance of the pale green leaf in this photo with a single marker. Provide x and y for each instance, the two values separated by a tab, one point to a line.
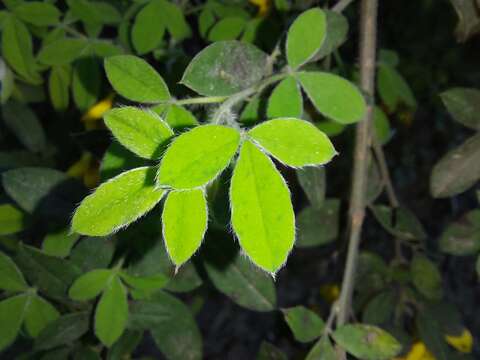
111	315
12	312
286	100
305	37
11	279
148	28
86	82
184	222
262	213
142	132
12	220
197	156
333	96
381	125
58	86
59	242
366	342
117	203
90	284
464	105
294	142
38	13
228	28
305	324
224	68
38	315
63	51
135	79
17	49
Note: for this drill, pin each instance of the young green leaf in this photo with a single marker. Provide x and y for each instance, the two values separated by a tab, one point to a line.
184	221
142	132
305	37
90	285
285	100
86	82
63	51
294	142
148	28
38	315
228	28
262	213
464	105
366	341
174	19
11	279
179	118
38	13
12	312
224	68
12	220
117	203
59	243
135	79
333	96
112	313
197	156
305	324
58	86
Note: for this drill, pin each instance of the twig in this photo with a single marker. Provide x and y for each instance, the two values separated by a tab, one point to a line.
384	172
368	43
341	5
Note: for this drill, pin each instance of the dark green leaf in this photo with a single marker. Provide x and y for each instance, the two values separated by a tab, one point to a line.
305	324
379	309
462	237
228	28
313	182
426	277
468	19
59	242
86	82
38	13
393	89
322	350
125	345
399	222
58	86
92	253
337	30
270	352
318	226
38	315
11	279
12	312
464	105
63	51
430	332
148	28
118	159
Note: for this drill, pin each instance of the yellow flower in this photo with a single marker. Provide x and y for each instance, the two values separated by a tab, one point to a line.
96	111
85	169
263	6
462	342
418	352
330	292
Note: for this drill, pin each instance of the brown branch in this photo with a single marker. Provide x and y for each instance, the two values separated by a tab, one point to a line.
368	44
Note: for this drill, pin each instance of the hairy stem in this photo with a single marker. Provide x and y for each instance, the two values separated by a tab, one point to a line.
200	100
368	43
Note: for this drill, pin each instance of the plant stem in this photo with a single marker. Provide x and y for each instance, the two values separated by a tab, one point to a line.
341	5
384	172
200	100
368	43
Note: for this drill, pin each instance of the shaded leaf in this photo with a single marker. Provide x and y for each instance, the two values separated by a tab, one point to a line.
59	242
90	284
468	19
62	51
322	350
464	105
38	13
305	324
92	253
179	118
318	226
38	315
426	277
86	82
118	159
125	345
11	278
228	28
148	28
462	237
337	30
286	100
393	89
270	352
58	87
399	222
380	308
313	183
12	220
12	312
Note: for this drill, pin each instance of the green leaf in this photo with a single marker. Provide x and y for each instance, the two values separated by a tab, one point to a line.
175	21
228	28
179	118
168	320
7	82
224	68
118	159
58	86
322	350
313	182
399	222
86	82
393	89
111	315
389	57
59	242
381	125
17	49
462	237
366	341
38	315
185	280
458	170
262	213
380	308
94	12
108	14
426	277
52	194
468	19
184	222
38	13
318	226
117	203
333	96
270	352
63	51
464	105
251	112
197	157
286	100
305	37
294	142
142	132
233	275
305	324
337	31
206	20
125	345
92	253
51	275
64	330
135	79
430	332
23	122
11	278
145	284
90	285
12	220
12	312
148	28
